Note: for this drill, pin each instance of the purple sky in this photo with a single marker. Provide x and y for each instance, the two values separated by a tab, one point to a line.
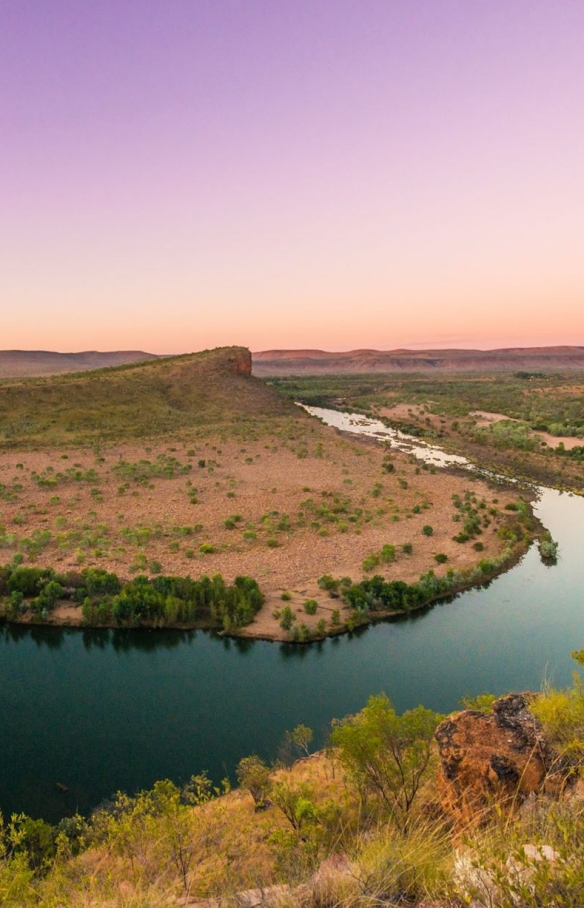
178	174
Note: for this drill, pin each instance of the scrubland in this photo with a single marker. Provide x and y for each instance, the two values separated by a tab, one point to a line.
190	466
526	424
361	823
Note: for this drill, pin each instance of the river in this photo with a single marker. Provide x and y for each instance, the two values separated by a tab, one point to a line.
97	711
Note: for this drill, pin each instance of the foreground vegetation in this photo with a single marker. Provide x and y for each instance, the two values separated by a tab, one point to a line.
358	824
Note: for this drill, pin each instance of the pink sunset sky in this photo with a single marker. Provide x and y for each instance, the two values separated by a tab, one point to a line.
182	174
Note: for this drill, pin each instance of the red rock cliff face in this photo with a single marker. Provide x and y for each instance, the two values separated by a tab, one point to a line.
239	361
497	759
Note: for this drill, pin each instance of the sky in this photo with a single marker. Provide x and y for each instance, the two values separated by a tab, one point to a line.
333	174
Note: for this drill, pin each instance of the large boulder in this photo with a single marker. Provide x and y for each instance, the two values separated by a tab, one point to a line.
494	760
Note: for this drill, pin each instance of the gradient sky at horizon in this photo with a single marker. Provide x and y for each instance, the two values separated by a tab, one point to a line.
182	174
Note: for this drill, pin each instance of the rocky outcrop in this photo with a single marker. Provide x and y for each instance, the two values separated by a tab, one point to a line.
495	760
239	361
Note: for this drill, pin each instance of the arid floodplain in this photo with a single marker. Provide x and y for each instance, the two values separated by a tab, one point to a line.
216	473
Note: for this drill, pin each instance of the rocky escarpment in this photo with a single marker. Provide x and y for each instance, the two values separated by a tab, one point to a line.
238	361
495	760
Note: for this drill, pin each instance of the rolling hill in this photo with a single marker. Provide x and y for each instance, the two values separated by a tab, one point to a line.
23	363
159	396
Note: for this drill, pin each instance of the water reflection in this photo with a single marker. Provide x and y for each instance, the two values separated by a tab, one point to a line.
98	637
37	633
243	645
357	424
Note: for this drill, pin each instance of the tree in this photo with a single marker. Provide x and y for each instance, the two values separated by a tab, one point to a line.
158	829
253	774
295	744
301	737
387	754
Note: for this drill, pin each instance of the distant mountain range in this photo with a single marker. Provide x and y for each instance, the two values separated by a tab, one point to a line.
23	363
513	359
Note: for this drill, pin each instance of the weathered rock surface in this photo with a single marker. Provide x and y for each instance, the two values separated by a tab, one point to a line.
239	361
496	759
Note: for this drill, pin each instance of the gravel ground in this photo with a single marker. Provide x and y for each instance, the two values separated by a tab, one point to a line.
271	491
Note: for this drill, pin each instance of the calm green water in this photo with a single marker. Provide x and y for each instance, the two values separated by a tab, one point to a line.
100	711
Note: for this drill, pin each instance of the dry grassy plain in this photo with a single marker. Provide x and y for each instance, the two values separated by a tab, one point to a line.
284	501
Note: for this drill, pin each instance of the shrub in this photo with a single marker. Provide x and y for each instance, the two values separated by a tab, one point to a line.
561	713
253	775
287	618
461	538
482	702
328	583
387	554
548	548
386	754
310	606
28	580
427	530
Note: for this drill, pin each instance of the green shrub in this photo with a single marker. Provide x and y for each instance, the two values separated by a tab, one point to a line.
386	754
287	618
328	583
548	548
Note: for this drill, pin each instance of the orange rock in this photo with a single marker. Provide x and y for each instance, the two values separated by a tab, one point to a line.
493	760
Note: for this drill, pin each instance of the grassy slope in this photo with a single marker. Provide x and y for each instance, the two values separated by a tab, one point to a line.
134	400
322	840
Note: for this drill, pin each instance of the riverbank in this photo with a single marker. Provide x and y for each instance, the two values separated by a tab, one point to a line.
117	709
229	610
284	503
